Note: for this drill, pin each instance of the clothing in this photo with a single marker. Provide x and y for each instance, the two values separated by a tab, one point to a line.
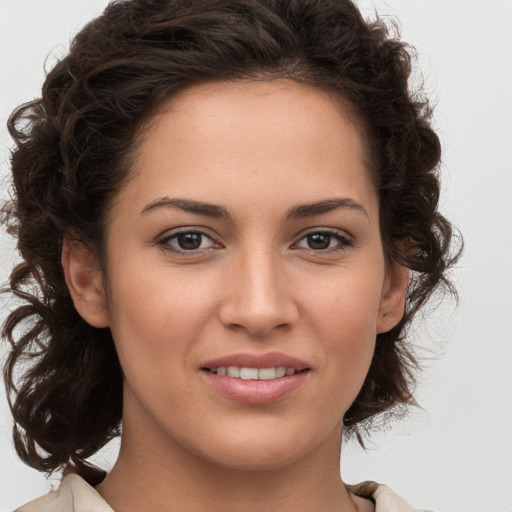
384	498
76	495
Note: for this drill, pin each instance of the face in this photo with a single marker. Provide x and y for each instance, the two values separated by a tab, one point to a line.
246	276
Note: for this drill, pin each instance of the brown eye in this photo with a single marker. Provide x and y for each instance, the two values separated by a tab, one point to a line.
187	241
319	241
324	241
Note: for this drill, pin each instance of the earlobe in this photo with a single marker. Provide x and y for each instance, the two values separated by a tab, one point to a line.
85	282
392	305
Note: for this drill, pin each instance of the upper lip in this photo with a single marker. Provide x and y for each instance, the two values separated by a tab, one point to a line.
246	360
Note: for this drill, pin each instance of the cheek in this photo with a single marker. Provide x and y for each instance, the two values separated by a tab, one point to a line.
155	321
344	303
343	315
161	302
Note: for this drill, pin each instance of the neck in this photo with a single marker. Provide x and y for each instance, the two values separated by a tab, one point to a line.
156	474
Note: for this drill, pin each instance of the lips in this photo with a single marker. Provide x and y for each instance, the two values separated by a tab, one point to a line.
248	373
255	379
269	360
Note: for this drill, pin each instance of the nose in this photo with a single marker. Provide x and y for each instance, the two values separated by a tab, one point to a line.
258	297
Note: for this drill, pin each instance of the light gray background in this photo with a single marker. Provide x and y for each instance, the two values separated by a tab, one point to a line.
456	453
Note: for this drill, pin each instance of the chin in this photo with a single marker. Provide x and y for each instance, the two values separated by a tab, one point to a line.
255	460
259	450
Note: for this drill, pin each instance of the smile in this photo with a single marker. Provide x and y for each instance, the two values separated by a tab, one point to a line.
246	373
256	378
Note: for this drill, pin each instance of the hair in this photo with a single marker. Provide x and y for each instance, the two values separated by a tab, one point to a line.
72	154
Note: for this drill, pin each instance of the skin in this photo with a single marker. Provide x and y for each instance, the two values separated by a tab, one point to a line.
254	285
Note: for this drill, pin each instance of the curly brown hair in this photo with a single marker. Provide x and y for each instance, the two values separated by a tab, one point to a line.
74	147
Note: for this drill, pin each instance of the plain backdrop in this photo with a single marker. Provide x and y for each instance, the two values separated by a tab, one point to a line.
454	454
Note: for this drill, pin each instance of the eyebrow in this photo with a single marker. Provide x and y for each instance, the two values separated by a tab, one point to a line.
188	205
325	206
220	212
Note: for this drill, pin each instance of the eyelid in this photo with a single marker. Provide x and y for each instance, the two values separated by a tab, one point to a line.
346	240
163	240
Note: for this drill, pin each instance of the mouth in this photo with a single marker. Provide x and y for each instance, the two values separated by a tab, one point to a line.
249	373
256	378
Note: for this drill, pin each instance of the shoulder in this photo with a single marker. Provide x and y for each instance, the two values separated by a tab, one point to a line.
76	495
384	498
73	495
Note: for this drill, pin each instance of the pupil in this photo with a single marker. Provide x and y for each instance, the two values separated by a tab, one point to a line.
189	241
319	240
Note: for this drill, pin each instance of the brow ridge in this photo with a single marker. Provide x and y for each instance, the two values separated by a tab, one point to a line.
324	206
189	205
220	212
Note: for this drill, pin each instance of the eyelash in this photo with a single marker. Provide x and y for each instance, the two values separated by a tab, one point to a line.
344	241
164	242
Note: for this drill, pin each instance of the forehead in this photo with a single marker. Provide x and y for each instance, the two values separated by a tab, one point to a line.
286	99
288	141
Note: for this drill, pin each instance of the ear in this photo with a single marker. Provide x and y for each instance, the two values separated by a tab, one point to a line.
85	282
394	292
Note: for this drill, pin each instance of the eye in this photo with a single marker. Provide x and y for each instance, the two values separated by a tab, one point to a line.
324	241
187	241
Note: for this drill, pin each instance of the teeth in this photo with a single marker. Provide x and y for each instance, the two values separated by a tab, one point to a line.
249	373
234	371
245	373
267	373
281	371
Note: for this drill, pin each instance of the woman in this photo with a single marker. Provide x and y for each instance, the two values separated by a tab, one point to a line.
227	214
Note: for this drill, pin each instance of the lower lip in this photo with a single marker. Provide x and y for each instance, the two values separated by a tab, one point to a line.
255	391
